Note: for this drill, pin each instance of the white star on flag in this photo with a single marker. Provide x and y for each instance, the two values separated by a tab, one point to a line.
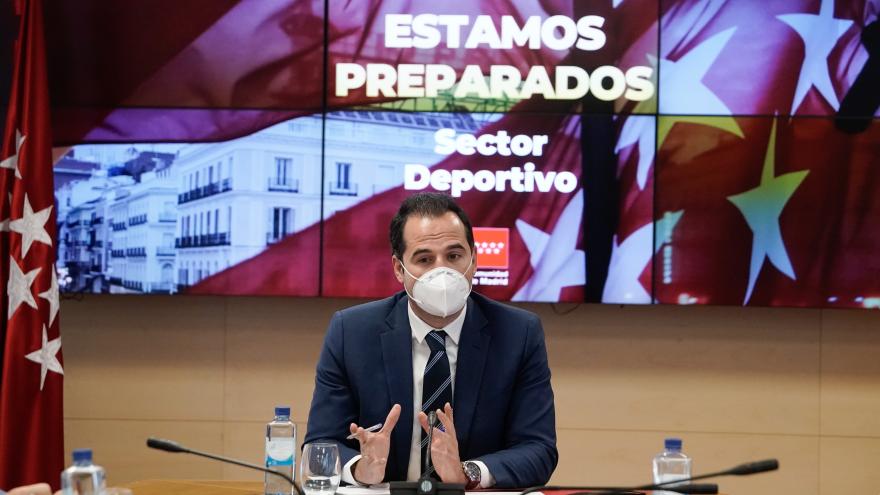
761	208
688	96
19	287
685	93
32	226
51	295
12	161
47	357
640	129
4	225
630	258
820	34
556	263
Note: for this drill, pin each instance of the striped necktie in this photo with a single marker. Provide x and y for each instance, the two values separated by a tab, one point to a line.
437	384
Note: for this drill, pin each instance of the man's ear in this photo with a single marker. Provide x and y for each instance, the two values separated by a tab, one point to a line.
398	269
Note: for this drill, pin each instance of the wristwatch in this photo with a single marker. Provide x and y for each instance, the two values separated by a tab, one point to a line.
472	473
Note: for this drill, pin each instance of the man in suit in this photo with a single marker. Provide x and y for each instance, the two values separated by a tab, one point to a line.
481	365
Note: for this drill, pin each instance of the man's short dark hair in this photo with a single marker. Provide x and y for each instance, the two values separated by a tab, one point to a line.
425	205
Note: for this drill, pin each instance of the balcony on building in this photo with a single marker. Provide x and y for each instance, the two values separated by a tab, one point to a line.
342	189
283	184
136	252
204	240
205	191
165	251
137	219
167	216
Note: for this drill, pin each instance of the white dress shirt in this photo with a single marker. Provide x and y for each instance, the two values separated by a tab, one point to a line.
420	354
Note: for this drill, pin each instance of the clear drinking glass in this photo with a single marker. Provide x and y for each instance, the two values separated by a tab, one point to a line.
320	469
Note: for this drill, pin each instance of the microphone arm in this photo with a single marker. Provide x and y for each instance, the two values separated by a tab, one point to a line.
741	470
686	488
174	447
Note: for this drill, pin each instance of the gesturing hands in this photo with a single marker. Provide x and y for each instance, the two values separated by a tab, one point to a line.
444	447
370	468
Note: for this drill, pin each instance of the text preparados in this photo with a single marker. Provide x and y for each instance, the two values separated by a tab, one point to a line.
429	31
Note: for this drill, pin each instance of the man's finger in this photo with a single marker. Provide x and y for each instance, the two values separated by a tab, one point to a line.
423	421
391	419
352	428
446	421
448	410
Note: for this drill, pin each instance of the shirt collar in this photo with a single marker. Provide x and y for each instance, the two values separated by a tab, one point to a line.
420	329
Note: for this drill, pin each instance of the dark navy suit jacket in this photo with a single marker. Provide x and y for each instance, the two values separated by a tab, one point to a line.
502	401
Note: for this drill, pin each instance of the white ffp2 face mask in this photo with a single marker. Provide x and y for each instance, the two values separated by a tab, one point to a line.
441	292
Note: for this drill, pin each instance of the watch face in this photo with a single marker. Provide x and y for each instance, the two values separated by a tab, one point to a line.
472	471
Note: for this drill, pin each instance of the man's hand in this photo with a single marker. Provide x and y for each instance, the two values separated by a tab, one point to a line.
38	489
370	468
444	447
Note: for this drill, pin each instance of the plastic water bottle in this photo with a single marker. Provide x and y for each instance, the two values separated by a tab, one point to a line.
280	452
671	464
83	477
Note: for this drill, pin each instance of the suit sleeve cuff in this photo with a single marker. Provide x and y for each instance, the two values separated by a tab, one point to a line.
348	474
486	478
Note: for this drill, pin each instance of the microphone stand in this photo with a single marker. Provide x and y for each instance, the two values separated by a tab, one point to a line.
174	447
682	486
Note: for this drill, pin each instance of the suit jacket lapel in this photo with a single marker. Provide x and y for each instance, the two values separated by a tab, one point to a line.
397	356
473	348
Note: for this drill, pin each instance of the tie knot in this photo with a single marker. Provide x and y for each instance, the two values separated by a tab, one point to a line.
437	340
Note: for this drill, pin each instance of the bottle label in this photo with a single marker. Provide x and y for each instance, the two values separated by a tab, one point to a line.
279	452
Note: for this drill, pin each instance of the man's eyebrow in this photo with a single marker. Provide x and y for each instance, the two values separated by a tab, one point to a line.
457	245
420	251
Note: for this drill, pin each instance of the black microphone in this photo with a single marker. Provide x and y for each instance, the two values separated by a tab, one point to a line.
755	467
174	447
741	470
427	468
686	488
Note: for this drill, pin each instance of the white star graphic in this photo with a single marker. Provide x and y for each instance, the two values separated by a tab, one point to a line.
687	96
761	208
19	287
685	93
4	225
12	161
556	263
32	226
47	357
820	34
51	295
640	129
630	258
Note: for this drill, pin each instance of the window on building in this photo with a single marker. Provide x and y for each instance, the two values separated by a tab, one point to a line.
283	169
282	222
343	174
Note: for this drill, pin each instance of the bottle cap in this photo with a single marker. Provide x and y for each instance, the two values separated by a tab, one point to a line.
673	444
282	411
82	455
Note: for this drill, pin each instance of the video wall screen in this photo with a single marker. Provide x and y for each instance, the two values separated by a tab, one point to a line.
620	151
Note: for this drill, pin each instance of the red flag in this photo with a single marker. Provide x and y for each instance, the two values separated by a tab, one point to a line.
31	427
